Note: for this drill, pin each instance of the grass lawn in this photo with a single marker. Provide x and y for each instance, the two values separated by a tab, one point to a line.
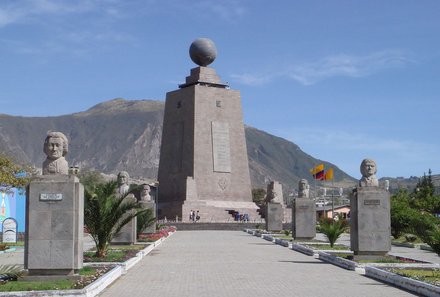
115	253
89	274
327	247
431	276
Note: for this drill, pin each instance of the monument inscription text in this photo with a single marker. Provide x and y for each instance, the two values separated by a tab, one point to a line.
51	196
221	147
372	202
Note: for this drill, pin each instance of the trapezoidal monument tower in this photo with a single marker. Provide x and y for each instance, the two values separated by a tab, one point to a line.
203	159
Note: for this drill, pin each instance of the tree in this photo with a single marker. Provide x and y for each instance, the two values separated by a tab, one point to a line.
258	196
105	213
401	213
423	197
13	175
90	177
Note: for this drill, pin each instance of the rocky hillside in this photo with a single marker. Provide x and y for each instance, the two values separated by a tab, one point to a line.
125	135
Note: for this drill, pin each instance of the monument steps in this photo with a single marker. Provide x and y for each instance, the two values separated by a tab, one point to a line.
231	226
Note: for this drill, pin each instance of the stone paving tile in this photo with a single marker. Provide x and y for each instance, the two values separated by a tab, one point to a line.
231	263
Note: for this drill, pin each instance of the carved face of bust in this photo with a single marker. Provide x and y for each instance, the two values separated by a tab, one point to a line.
303	184
145	190
122	178
54	148
368	168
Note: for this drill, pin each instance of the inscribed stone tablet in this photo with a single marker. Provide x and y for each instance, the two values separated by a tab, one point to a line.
221	147
10	230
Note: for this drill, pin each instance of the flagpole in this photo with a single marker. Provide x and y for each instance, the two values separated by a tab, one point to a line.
333	197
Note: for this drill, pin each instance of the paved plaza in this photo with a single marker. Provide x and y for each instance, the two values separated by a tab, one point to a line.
231	263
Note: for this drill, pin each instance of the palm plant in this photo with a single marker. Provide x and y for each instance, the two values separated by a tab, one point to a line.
332	229
10	272
105	213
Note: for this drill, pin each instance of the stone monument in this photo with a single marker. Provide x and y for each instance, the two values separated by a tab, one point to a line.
146	202
303	213
370	223
274	207
54	216
127	234
203	160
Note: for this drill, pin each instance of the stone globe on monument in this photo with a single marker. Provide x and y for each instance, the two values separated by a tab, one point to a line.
203	160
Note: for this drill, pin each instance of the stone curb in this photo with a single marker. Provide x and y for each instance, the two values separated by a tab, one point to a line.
302	249
267	237
281	242
100	284
338	261
404	244
402	282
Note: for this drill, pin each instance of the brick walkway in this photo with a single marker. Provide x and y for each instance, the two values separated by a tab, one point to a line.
231	263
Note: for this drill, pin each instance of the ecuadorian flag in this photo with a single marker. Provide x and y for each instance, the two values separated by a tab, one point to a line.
318	172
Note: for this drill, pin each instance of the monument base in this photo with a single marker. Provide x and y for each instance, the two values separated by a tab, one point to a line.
274	216
303	218
209	211
54	225
149	205
127	234
50	275
370	227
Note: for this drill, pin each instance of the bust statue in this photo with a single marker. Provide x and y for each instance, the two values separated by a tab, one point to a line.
303	188
123	182
368	170
55	147
145	193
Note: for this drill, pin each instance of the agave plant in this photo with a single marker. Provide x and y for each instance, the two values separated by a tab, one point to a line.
105	213
10	272
332	229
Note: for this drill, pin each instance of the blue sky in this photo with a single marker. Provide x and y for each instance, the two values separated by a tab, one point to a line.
344	80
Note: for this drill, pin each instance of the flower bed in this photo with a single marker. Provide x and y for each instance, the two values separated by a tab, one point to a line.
165	232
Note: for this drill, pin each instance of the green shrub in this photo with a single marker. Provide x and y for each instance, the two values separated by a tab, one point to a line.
333	229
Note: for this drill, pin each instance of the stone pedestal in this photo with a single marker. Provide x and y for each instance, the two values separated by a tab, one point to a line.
274	216
54	226
149	205
303	218
127	234
370	225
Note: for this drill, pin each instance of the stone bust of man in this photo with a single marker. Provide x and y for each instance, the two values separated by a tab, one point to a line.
123	182
55	147
303	188
368	170
145	193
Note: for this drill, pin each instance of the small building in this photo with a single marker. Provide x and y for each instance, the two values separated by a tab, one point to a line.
326	211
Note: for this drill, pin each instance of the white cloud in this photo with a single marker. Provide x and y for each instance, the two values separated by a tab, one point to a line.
309	73
25	10
252	80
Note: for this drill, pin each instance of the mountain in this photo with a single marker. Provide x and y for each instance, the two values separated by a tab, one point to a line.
125	135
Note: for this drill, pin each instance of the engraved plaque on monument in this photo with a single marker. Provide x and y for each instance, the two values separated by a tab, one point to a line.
221	147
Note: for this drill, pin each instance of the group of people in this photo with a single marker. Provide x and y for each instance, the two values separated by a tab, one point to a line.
241	217
194	216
